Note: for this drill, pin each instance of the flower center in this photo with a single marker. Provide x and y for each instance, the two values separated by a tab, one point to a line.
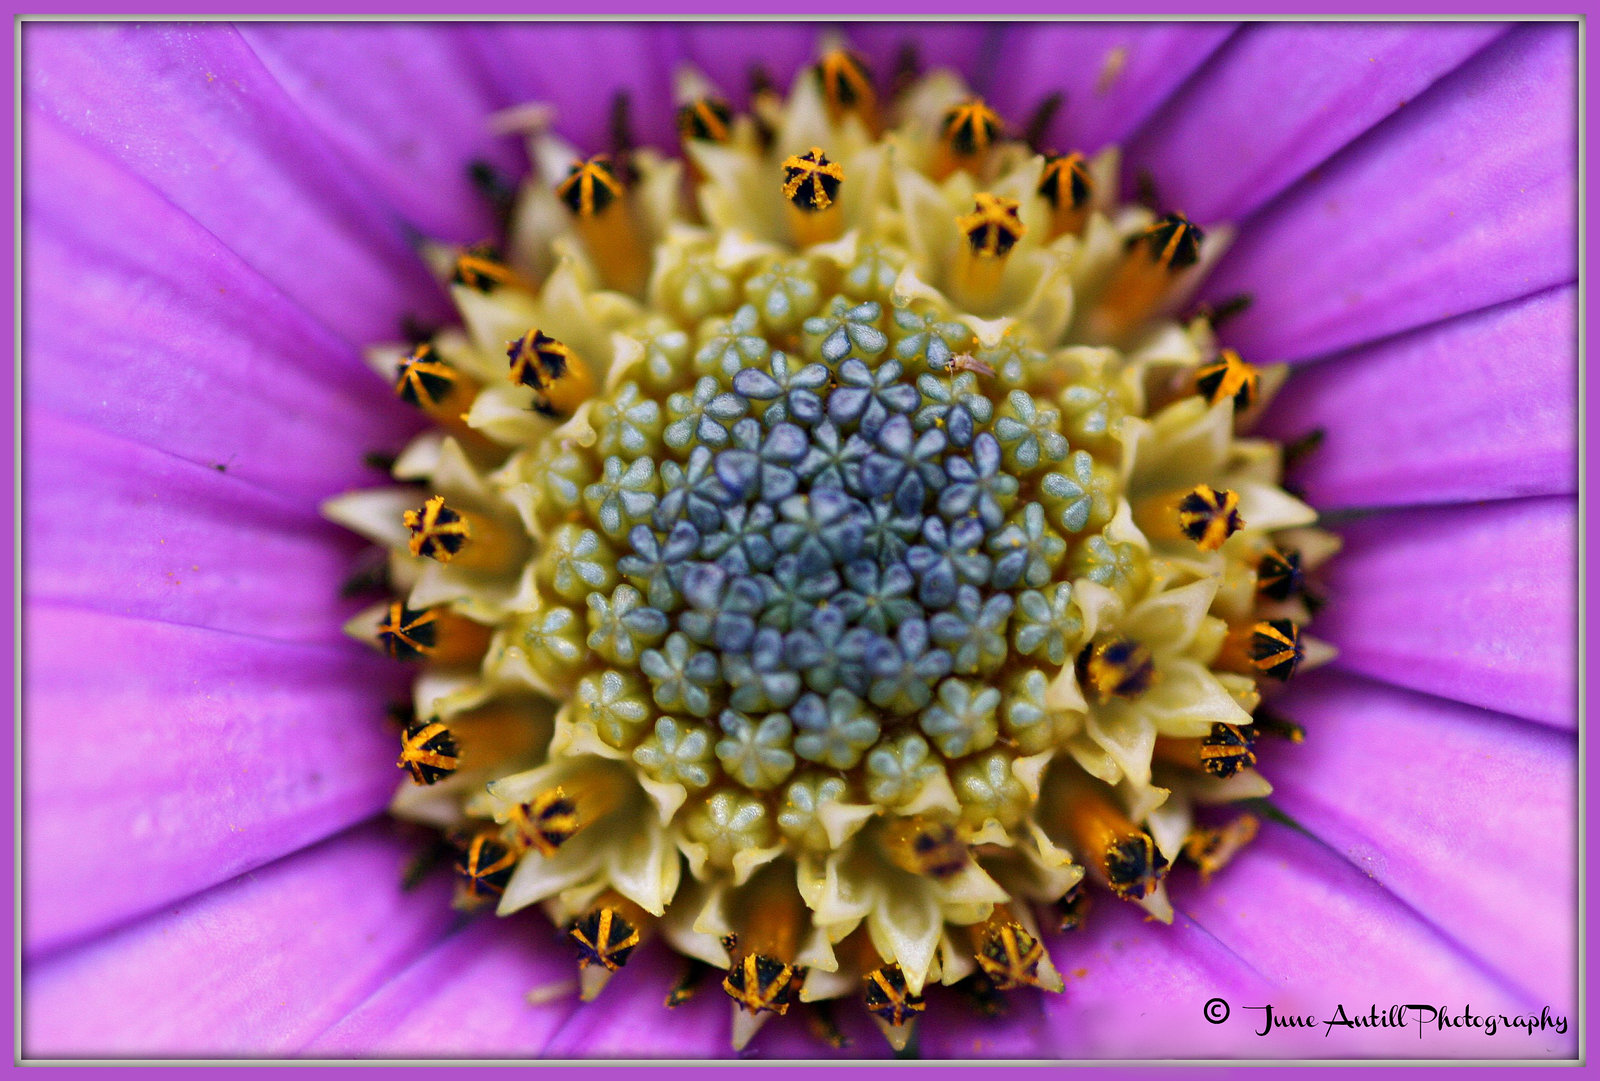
832	555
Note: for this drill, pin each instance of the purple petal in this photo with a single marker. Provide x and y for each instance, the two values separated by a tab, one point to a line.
1481	835
1137	989
465	997
697	1029
119	528
403	103
968	48
1476	604
1327	82
259	966
1326	935
181	757
578	68
1463	199
141	324
1113	75
210	129
951	1028
1482	406
791	1036
726	52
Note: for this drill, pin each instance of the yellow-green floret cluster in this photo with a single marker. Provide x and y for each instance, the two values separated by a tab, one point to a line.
832	557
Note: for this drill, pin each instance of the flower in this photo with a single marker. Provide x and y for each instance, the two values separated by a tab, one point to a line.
206	258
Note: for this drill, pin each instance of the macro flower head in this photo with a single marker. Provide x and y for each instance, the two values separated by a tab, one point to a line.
805	538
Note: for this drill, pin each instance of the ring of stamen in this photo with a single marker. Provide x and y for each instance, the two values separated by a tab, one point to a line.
809	576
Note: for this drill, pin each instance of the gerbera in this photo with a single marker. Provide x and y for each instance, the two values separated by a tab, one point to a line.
195	793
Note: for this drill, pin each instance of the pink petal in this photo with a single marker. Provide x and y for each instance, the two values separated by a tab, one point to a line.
367	86
968	48
629	1020
1483	406
119	528
1463	199
578	68
1480	836
142	325
464	997
725	53
1476	604
1362	73
181	757
257	967
1113	75
1138	989
210	129
1325	935
951	1028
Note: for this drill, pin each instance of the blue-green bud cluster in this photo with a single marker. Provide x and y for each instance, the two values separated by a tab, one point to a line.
822	529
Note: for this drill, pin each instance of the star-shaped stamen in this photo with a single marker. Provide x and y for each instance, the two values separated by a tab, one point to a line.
429	752
437	532
994	226
810	181
969	129
590	187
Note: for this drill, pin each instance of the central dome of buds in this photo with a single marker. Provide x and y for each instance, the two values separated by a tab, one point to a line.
837	535
832	566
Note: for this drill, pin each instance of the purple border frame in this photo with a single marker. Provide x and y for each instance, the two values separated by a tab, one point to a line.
929	8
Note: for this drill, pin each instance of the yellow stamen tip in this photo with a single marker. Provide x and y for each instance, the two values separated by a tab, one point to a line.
1011	957
1172	241
1229	377
480	267
763	984
1134	866
437	532
605	939
590	187
407	634
846	83
994	226
1065	182
1116	668
810	181
1209	517
889	998
559	379
485	869
428	751
971	128
705	119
